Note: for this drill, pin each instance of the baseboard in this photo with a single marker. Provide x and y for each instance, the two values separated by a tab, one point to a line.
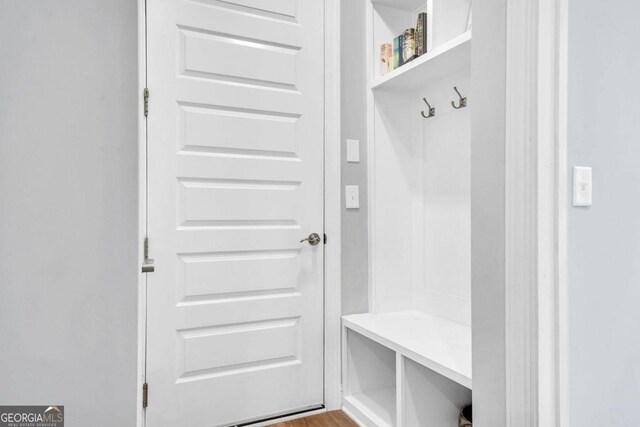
356	415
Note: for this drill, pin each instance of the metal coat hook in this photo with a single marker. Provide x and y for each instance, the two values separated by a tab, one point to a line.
463	101
432	110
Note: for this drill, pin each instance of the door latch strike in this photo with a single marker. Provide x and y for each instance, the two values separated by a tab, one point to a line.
148	264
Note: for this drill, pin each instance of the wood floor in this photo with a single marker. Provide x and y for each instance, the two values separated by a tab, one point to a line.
328	419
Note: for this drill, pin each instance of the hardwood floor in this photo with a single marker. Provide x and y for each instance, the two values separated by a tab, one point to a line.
328	419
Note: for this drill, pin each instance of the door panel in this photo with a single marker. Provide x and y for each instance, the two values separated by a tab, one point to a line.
235	169
237	132
280	7
204	54
258	273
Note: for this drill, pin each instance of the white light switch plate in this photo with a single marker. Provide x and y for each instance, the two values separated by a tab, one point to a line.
582	186
352	196
353	151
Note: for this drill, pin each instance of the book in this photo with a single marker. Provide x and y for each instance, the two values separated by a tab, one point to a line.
421	34
409	45
384	58
400	47
396	53
389	52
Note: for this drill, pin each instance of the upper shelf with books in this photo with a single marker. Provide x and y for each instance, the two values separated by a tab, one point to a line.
442	61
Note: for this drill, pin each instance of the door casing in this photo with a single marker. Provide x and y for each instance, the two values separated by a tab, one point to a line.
332	206
520	115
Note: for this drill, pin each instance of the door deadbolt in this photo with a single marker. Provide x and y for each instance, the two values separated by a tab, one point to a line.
313	239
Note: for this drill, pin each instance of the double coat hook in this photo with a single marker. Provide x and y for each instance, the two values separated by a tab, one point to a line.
462	103
432	110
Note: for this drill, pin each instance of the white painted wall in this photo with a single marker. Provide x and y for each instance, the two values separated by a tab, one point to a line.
68	207
445	290
354	126
488	77
604	240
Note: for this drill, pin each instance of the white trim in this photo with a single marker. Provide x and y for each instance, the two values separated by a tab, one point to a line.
332	209
535	204
562	315
332	268
371	150
520	216
350	412
142	211
344	370
552	169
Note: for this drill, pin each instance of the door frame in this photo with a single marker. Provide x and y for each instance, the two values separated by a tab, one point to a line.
332	206
519	168
536	202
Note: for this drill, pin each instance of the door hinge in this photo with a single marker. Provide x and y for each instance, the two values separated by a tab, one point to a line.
145	94
148	264
145	395
325	238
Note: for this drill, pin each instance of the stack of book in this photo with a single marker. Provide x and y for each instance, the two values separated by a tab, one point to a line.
404	48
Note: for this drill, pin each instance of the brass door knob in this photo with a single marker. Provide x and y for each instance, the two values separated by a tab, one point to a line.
313	239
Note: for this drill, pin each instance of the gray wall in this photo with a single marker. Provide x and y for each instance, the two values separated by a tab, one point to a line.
604	240
354	126
68	207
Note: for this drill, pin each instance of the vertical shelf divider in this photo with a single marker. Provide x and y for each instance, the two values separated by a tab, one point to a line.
400	390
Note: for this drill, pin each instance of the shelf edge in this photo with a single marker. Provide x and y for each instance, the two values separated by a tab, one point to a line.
363	411
421	61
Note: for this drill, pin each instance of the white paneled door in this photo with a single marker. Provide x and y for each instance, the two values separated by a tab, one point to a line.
235	181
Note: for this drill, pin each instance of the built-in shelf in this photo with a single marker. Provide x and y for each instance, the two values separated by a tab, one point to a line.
438	344
375	406
444	60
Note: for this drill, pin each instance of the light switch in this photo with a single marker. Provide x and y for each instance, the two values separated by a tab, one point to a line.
352	195
582	186
353	151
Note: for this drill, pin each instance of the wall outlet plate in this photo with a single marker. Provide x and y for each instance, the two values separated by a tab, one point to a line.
353	151
352	196
582	186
